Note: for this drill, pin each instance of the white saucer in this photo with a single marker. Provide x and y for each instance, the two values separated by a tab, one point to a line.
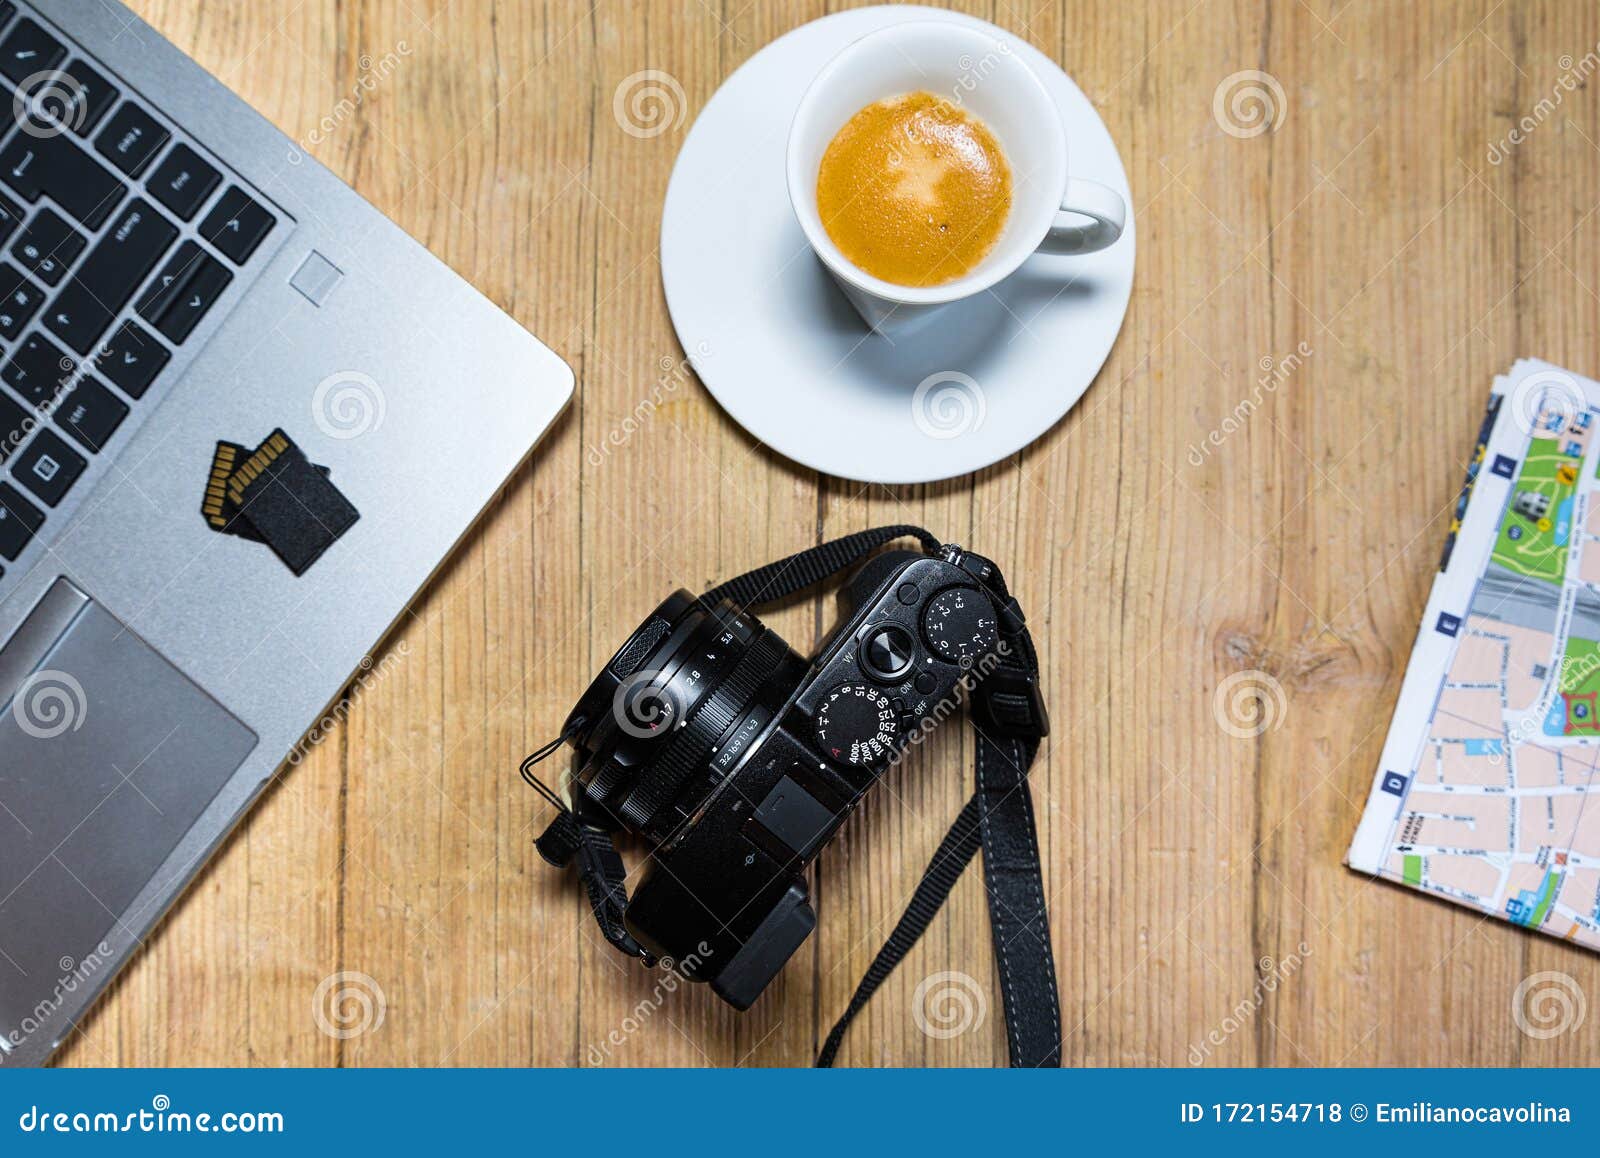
775	341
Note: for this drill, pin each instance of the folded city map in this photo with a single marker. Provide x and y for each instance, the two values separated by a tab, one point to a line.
1486	792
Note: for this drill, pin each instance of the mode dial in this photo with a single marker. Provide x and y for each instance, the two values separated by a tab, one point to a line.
959	625
857	724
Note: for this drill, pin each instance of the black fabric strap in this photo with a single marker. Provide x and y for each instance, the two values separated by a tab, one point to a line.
999	818
813	565
600	867
603	874
1014	884
1009	720
955	852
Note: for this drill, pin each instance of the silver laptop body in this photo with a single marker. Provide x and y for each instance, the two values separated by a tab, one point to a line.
155	671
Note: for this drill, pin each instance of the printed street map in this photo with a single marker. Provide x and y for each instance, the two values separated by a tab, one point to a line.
1487	790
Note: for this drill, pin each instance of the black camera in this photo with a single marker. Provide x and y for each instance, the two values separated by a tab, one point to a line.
737	758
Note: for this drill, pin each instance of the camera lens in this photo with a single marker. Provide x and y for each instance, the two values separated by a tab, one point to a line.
692	685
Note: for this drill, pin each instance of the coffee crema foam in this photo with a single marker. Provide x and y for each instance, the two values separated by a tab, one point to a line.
914	190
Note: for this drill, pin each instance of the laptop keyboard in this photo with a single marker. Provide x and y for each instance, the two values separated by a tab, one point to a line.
103	275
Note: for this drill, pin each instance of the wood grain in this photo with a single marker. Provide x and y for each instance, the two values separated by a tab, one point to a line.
1370	225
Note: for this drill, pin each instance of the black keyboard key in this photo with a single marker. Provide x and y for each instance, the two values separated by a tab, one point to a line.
109	275
131	358
7	10
48	246
236	225
200	293
131	139
182	181
20	299
54	165
169	283
91	414
11	215
20	520
187	287
91	96
15	426
48	467
38	370
29	49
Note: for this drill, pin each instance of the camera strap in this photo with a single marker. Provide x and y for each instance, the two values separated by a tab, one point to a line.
1009	721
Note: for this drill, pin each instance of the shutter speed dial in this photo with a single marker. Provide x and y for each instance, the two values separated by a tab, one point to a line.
857	724
959	625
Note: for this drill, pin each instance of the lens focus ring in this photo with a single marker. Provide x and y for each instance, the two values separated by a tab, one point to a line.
660	784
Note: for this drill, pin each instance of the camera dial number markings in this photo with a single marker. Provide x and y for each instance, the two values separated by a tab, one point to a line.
857	724
959	625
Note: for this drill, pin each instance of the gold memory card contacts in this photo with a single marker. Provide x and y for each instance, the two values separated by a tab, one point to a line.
220	511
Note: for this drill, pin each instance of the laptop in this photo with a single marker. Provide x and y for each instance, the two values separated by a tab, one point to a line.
243	419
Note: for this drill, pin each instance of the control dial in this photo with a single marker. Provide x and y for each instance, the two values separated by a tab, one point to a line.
959	625
857	724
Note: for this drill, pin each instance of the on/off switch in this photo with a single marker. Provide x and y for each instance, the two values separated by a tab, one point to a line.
888	653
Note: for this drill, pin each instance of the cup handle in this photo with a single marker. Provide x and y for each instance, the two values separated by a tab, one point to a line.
1070	233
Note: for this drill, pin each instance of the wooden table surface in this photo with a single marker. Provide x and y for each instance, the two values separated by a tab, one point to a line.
1370	255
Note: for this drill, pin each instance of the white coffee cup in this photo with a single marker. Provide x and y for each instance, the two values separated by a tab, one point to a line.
1051	212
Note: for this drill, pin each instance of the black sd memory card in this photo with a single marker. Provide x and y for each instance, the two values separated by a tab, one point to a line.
277	497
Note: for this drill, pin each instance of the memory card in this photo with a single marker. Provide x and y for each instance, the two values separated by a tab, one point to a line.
290	503
220	511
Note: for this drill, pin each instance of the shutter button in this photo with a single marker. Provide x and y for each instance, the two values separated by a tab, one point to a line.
888	653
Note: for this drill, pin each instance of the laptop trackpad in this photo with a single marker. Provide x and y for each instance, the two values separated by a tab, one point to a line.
108	754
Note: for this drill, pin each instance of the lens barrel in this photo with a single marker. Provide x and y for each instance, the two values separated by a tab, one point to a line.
690	687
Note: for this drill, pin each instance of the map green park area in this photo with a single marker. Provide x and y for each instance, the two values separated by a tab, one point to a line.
1580	667
1537	545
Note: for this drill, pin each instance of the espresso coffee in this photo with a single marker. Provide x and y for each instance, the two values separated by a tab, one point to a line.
914	190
